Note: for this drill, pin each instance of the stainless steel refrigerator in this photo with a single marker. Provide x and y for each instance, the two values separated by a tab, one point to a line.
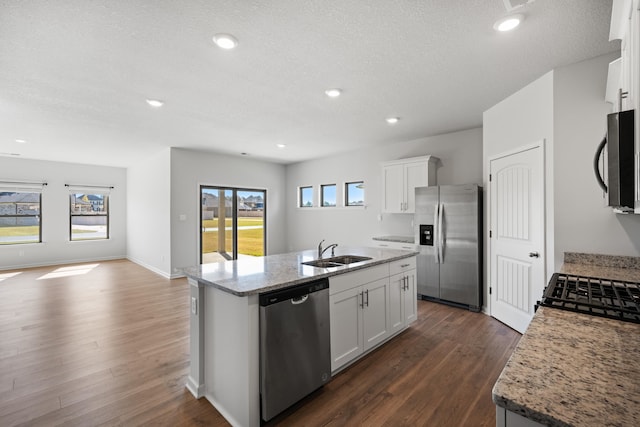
448	228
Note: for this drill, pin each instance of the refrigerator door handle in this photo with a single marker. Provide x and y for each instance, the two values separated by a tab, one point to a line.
436	214
440	234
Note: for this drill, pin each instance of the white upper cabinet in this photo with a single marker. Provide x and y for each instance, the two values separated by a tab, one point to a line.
401	177
624	74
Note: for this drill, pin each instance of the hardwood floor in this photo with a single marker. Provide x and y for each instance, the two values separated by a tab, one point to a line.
107	343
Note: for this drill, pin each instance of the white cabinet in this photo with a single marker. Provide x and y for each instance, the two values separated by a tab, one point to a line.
369	306
401	177
358	313
403	307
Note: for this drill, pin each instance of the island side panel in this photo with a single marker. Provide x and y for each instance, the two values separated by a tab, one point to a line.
231	356
195	382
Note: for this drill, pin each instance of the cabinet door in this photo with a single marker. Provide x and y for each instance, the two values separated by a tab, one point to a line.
416	175
396	303
376	320
393	188
410	298
346	326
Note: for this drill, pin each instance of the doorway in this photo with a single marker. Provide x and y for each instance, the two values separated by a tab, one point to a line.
232	223
517	234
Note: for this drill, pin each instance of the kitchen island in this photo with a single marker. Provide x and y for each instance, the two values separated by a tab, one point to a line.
224	321
573	369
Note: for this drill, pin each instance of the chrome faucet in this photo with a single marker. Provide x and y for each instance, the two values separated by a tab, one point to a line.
322	251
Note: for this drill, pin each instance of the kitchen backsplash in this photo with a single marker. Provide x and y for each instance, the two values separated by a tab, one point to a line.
615	261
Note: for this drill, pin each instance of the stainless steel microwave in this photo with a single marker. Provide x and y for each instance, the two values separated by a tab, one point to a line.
621	175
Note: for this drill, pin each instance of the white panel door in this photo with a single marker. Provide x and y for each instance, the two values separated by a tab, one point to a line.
517	236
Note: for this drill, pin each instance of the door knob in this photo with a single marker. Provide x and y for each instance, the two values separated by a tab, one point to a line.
534	255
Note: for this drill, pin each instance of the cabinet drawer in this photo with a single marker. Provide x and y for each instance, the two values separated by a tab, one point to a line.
402	265
394	245
342	282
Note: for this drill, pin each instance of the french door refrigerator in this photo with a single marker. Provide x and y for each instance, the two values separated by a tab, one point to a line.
448	228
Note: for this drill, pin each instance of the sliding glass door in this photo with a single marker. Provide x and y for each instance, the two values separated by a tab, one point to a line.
232	223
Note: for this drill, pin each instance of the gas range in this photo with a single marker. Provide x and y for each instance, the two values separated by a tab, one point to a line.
614	299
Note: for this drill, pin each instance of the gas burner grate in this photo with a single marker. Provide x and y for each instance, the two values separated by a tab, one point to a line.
615	299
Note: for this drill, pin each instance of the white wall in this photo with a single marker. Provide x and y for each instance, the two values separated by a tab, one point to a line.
461	162
190	169
520	120
148	210
56	248
582	221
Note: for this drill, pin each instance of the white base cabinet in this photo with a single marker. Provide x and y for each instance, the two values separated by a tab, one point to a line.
358	304
369	306
403	308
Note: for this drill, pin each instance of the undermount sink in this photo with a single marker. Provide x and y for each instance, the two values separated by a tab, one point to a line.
322	263
337	261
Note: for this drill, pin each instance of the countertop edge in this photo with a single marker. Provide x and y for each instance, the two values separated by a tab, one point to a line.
323	274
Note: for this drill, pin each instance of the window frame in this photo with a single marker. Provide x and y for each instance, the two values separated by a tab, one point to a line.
322	188
346	194
301	198
38	217
105	202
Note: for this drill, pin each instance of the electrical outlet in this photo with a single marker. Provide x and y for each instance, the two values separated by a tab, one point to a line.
194	305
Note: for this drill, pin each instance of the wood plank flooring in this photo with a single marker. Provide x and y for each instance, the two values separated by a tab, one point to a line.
107	343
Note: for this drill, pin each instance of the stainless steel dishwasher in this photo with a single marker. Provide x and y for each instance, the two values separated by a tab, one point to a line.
295	353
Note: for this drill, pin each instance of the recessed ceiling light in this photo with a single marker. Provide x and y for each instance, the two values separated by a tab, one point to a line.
21	141
508	23
225	41
155	103
280	145
393	120
333	93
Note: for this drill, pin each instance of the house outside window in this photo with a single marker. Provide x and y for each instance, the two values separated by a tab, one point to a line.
20	217
89	216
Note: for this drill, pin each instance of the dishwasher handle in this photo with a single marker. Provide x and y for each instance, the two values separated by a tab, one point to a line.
295	294
299	300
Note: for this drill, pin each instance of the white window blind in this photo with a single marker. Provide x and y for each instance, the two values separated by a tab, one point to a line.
21	186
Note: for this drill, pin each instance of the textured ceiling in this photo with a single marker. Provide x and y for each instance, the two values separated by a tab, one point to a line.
74	74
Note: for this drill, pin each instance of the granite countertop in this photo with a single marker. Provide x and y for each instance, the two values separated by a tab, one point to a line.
399	239
573	369
255	275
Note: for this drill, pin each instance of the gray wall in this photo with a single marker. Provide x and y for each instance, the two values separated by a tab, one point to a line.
190	169
582	221
461	162
148	209
56	248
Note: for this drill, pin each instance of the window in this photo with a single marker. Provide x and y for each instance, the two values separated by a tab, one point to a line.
328	195
20	216
306	197
89	214
232	223
354	193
